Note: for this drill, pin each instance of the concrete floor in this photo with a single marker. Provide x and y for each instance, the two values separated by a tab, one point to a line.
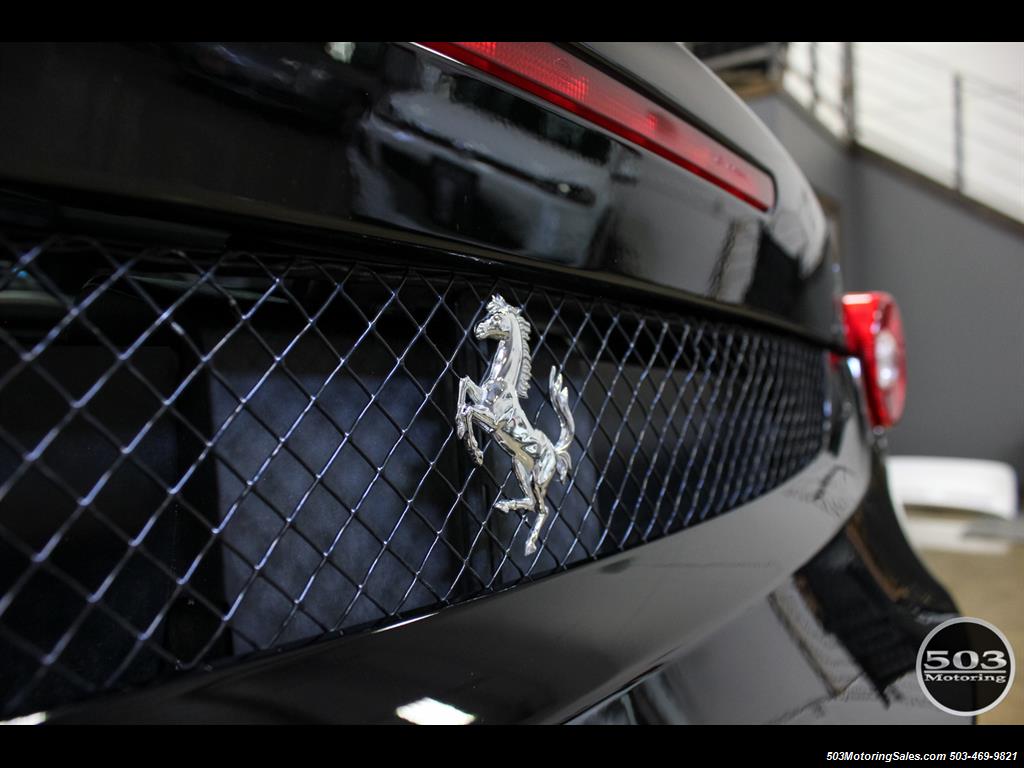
985	575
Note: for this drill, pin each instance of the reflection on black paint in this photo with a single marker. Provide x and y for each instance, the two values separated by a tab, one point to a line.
573	137
776	283
388	135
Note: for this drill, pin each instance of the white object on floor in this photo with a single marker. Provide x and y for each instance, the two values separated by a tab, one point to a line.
975	485
950	536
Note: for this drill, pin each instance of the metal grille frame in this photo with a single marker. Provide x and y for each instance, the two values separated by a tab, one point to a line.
206	453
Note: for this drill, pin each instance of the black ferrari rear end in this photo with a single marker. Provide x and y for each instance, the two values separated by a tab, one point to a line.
242	288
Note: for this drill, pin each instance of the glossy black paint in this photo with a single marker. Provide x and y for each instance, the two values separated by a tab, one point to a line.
395	141
836	644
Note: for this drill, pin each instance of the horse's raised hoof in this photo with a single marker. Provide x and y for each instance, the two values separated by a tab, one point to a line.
478	457
531	546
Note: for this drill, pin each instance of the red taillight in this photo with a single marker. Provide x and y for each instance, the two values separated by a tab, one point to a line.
547	71
874	331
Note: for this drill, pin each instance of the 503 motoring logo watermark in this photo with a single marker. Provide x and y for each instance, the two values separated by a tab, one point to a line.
965	666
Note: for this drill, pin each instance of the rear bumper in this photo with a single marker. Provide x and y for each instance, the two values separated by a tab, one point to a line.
834	644
725	622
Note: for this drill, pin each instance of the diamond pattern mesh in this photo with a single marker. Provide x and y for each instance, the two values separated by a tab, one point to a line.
204	454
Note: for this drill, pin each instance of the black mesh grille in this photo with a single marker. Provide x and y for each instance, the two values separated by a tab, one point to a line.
206	453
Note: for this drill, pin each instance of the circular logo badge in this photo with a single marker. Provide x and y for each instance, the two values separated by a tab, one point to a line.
965	666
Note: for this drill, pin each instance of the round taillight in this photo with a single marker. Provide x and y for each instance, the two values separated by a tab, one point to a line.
874	332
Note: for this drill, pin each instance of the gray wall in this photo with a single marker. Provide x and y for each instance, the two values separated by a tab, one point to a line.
958	276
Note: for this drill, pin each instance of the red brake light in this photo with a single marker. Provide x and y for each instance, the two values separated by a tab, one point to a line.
874	330
554	75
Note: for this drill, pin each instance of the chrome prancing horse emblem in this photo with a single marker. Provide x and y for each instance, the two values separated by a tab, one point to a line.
494	407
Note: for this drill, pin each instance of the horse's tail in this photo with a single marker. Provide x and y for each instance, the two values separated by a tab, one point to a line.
560	399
